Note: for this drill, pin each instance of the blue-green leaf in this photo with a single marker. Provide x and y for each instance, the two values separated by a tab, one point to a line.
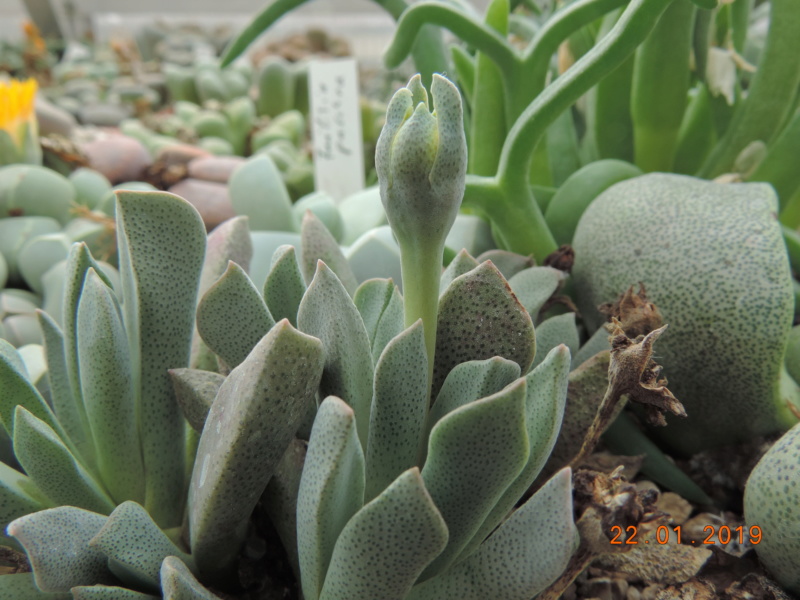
386	545
257	190
57	543
53	468
328	313
18	496
399	408
107	386
178	583
284	287
161	242
318	244
195	391
462	263
474	454
107	592
534	286
232	316
331	490
22	586
257	412
560	329
135	546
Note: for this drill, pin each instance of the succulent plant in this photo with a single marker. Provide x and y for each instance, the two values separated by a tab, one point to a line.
19	136
772	509
713	260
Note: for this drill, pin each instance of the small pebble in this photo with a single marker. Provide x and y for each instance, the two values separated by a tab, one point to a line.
675	506
103	115
645	484
179	154
210	199
633	594
214	168
119	157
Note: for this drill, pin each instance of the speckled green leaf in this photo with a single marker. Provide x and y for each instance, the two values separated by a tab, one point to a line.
462	263
318	244
470	381
18	496
284	287
79	262
107	386
331	490
66	408
381	307
479	317
135	546
57	543
587	386
598	342
161	242
178	583
328	313
386	545
229	241
53	468
508	263
534	286
544	411
232	316
108	592
474	453
279	500
399	408
257	190
195	391
18	391
772	502
251	423
10	353
526	554
22	586
560	329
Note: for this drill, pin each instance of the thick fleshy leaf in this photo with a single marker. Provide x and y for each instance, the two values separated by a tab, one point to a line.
560	329
178	583
375	255
328	313
525	555
331	490
386	545
464	262
68	410
108	592
508	263
107	387
161	242
534	286
257	412
228	242
265	243
257	190
22	586
279	500
474	453
479	317
18	496
284	287
597	343
470	381
587	386
195	391
135	546
53	468
399	408
544	411
18	391
318	244
232	316
57	543
381	307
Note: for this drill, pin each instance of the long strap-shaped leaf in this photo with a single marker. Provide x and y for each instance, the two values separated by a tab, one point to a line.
386	545
474	453
107	387
525	555
161	240
253	420
331	490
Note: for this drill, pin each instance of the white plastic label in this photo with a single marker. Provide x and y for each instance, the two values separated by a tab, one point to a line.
336	127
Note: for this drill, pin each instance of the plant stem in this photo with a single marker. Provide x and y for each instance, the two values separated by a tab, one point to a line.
421	266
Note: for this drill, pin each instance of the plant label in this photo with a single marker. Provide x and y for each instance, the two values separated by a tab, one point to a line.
336	127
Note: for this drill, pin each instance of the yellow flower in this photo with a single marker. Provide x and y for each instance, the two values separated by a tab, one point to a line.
19	140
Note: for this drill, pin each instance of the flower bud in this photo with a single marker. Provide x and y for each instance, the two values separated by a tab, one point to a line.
421	159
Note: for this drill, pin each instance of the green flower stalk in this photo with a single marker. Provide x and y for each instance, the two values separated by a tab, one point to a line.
421	160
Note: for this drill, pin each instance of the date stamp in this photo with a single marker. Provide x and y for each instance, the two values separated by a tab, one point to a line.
722	535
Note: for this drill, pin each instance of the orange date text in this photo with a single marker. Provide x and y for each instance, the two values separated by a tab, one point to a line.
713	535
